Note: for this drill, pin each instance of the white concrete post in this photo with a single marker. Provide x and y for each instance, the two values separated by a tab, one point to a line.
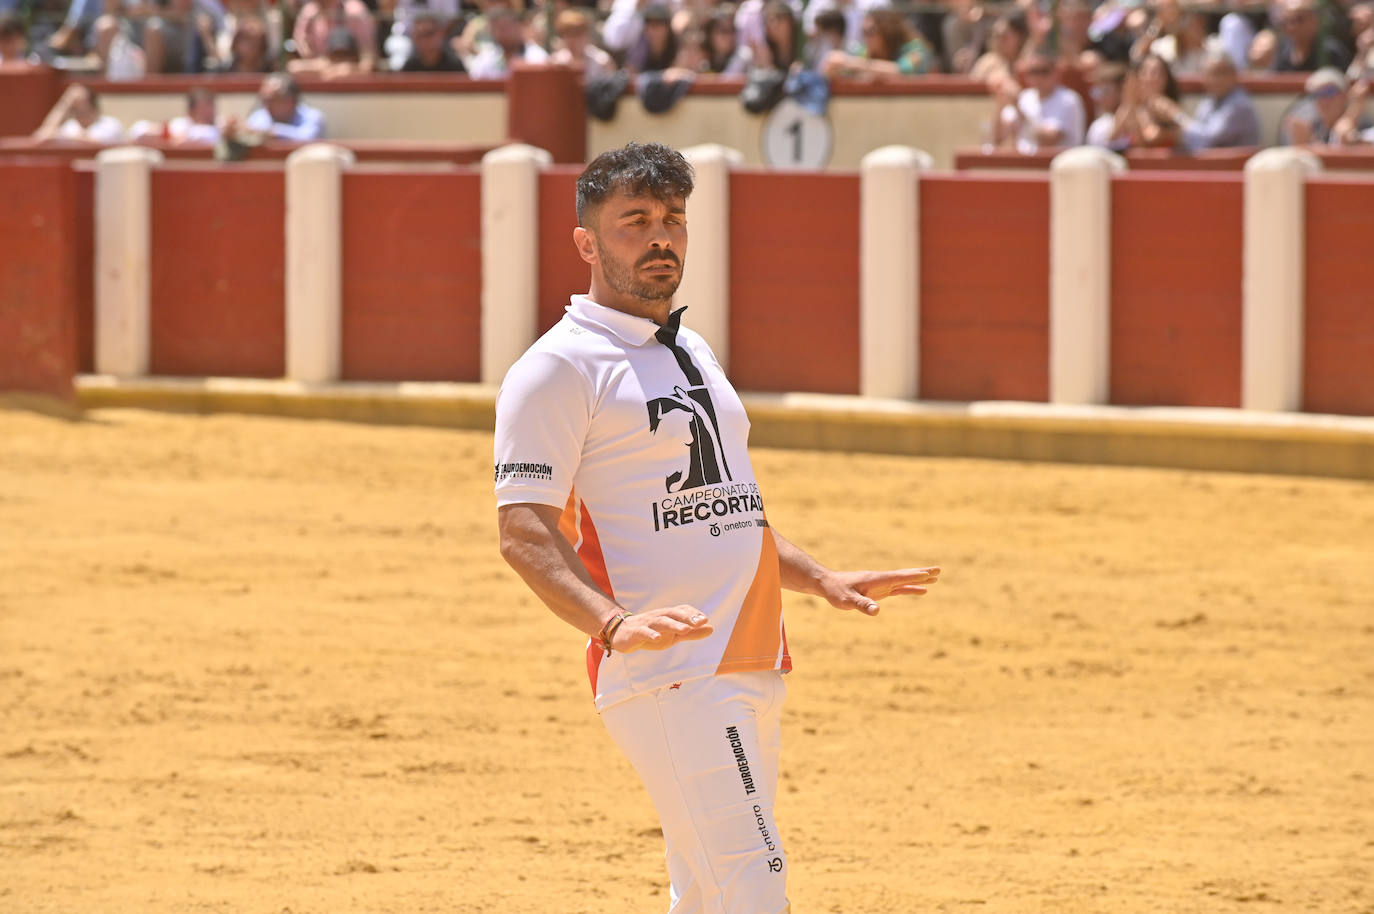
510	255
1272	289
123	246
705	288
314	261
890	271
1081	274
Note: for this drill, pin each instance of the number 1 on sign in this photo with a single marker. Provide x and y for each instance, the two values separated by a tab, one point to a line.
795	138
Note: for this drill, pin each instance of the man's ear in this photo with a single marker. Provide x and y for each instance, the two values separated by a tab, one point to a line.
585	243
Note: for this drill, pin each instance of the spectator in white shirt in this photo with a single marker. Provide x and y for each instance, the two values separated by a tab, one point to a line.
76	116
197	125
508	42
1044	114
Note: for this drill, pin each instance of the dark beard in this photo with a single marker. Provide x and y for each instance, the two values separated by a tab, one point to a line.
624	280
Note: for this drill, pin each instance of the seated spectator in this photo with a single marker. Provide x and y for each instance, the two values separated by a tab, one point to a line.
14	41
750	21
1005	43
318	20
1226	116
1108	129
853	12
1044	114
725	55
1300	45
430	52
76	116
1150	101
965	29
508	42
781	47
197	126
178	39
282	114
236	13
1330	114
1178	35
656	48
892	48
249	50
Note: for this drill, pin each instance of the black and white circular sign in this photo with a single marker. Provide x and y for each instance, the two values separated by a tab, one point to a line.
795	138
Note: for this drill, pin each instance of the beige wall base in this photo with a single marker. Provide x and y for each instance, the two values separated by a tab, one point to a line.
1198	439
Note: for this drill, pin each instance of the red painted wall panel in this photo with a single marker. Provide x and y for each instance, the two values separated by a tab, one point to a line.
1338	356
1176	289
217	272
37	288
794	282
984	331
412	276
561	272
83	214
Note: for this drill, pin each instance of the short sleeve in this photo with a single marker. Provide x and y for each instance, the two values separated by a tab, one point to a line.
542	414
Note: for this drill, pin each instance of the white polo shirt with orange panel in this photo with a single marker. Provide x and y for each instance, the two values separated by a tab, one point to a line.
634	430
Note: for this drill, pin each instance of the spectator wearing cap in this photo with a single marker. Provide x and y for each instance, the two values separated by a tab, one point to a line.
281	113
76	116
1226	116
575	48
891	48
429	52
1044	114
318	27
1325	116
508	42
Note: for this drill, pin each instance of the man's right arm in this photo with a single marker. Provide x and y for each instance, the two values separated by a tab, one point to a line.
532	545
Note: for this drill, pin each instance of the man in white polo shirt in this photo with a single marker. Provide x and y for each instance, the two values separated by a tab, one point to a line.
628	504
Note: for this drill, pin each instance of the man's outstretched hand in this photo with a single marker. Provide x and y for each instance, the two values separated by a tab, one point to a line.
862	590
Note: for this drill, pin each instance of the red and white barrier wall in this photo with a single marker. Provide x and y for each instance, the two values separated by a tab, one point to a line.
1087	284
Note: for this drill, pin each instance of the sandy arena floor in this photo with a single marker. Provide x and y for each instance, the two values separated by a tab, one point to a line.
256	665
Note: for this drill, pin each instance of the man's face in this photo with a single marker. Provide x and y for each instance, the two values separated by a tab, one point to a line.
1218	79
82	109
280	105
641	245
1330	102
429	40
1039	75
1299	24
202	110
507	33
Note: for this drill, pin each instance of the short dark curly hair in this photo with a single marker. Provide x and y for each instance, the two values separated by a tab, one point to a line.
639	168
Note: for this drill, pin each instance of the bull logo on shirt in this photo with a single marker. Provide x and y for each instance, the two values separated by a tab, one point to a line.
689	415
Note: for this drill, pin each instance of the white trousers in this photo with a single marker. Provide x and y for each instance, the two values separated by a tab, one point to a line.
707	750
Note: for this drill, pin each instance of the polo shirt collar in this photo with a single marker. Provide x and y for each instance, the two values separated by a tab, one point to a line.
633	330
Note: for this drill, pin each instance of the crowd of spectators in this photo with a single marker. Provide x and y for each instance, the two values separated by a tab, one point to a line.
1060	72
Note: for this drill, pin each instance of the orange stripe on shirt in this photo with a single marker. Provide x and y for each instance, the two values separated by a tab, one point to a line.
577	528
758	629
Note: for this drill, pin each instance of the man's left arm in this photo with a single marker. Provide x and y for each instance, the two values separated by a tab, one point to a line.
859	590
